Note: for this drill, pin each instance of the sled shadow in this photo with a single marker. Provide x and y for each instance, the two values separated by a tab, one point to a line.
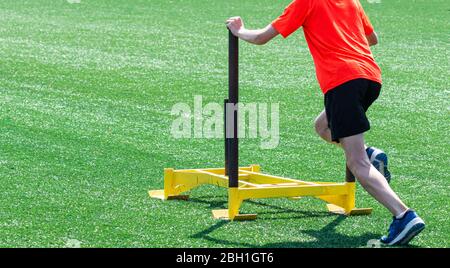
325	237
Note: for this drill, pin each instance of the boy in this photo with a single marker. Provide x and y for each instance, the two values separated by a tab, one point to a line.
339	34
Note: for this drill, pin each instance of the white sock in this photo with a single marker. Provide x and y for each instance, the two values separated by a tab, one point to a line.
399	216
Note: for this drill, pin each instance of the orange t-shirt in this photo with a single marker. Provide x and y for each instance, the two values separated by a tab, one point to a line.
335	31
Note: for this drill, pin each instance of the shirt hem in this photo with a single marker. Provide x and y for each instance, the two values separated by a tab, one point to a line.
344	80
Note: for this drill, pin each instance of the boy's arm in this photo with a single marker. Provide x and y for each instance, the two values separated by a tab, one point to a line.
257	37
371	35
372	38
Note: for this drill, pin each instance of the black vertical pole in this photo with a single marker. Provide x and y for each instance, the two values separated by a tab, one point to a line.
233	98
225	129
349	177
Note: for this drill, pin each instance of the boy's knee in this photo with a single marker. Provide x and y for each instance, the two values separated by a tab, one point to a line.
320	127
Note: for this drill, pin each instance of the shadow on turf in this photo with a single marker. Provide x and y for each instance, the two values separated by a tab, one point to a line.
324	237
208	200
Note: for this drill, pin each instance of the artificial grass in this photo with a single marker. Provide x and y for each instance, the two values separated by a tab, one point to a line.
86	92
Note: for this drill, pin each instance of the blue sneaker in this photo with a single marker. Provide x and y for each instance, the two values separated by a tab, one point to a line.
403	230
379	160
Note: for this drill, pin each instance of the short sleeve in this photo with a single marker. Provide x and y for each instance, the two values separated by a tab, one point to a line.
368	28
293	17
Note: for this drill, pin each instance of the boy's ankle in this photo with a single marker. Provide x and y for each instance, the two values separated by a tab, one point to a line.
401	215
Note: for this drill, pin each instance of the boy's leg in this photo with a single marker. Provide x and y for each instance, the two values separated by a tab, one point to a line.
368	176
406	223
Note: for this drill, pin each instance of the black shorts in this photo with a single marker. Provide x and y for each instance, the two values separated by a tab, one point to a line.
346	106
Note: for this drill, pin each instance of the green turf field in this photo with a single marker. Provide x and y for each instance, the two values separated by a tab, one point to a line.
86	92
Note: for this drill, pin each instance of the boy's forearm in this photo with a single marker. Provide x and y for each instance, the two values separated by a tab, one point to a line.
252	36
257	37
